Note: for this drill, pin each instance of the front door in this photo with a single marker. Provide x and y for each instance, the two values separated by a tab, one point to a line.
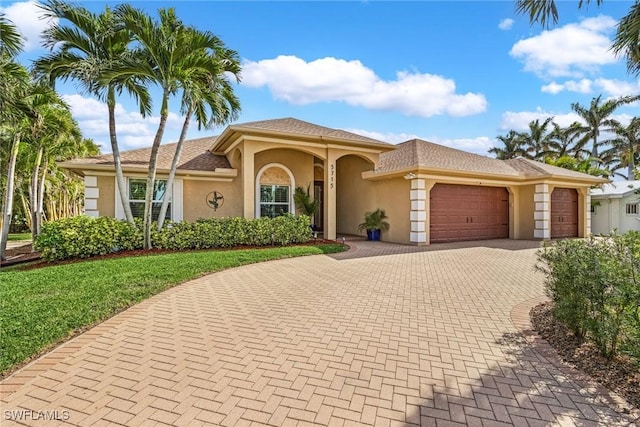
318	194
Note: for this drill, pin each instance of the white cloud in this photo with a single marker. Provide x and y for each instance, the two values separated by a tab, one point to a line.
133	130
298	82
506	24
477	145
519	121
28	18
571	50
609	87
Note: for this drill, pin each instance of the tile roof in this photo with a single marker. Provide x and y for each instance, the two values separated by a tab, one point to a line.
418	153
530	167
300	127
195	156
617	188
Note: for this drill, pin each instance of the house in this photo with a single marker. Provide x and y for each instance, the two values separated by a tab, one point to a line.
615	206
431	193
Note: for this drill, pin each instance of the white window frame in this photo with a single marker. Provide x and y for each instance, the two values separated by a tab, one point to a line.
176	198
631	209
292	186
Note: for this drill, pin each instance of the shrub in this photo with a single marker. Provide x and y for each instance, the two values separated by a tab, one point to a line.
83	236
595	286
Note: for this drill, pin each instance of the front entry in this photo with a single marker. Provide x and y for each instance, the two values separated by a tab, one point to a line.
564	213
468	212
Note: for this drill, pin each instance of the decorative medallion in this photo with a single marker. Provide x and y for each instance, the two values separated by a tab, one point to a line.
215	200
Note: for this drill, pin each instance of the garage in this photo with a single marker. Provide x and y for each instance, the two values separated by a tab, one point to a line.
564	213
468	212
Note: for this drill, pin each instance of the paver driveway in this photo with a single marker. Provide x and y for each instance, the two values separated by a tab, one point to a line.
383	334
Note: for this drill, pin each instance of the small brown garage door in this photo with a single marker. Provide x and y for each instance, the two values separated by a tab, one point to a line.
564	213
468	212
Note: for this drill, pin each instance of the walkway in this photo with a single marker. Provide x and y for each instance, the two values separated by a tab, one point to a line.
381	335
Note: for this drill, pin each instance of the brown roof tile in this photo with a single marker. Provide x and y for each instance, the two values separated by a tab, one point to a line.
195	156
417	153
534	168
300	127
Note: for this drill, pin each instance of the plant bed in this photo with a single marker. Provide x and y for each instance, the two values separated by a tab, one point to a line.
621	374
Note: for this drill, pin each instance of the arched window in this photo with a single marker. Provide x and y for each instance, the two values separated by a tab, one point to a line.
274	191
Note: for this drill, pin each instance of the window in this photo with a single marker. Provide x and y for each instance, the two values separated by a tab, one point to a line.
632	209
593	209
137	194
274	200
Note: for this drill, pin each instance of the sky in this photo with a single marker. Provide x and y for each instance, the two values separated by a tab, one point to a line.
450	72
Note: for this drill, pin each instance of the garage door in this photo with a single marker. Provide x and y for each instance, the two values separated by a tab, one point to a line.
467	212
564	213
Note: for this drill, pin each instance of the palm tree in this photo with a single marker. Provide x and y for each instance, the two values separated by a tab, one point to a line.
567	142
87	51
625	148
538	139
512	146
597	118
168	52
210	99
11	42
626	41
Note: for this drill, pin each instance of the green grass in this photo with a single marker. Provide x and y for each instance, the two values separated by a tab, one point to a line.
19	236
42	307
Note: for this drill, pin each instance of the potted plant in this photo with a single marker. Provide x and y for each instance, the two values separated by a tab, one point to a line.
374	223
305	203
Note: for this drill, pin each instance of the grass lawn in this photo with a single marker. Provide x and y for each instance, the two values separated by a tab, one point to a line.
44	306
19	236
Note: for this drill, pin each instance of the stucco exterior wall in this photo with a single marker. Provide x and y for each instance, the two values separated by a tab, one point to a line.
600	220
393	197
298	162
107	198
194	193
354	196
524	224
611	215
628	222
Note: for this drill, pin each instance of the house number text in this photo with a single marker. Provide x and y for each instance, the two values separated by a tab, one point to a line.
333	171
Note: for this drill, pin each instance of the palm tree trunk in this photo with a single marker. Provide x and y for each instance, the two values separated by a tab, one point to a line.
33	193
151	174
631	164
8	197
122	185
40	207
174	166
26	208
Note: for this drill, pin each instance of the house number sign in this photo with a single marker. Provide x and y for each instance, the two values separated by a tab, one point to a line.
215	200
333	171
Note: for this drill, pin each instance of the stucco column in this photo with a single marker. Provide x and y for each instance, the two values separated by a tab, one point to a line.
330	205
248	182
418	214
542	212
584	205
91	195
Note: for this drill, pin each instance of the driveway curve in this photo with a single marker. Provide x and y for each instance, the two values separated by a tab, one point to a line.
380	335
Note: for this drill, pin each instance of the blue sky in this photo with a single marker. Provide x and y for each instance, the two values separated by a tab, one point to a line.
455	73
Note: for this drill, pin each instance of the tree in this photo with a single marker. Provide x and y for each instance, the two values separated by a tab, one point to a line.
210	99
512	146
626	41
167	53
538	139
87	50
597	118
625	148
567	142
579	165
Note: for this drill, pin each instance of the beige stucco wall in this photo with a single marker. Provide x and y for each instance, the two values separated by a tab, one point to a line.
354	196
194	193
107	198
393	197
299	163
524	222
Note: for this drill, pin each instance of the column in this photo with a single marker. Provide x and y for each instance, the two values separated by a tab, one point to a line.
330	205
248	183
542	212
418	214
91	195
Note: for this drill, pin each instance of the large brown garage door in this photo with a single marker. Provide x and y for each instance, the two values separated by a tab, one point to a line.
564	213
468	212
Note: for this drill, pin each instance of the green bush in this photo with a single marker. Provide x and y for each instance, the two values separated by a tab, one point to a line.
83	236
595	286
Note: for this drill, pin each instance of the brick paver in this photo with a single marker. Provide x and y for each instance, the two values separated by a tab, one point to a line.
381	335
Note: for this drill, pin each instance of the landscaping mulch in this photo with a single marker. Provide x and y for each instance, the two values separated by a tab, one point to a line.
621	375
19	255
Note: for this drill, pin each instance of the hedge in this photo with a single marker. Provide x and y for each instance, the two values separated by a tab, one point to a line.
83	236
595	287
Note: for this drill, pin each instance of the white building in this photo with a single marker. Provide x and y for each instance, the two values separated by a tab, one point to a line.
615	206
